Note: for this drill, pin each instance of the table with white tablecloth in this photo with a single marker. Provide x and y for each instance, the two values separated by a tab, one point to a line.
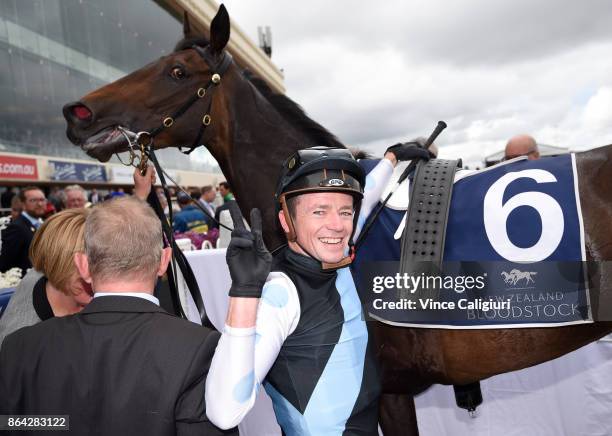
569	396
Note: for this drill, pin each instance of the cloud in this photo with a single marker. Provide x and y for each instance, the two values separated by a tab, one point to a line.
462	32
374	74
597	114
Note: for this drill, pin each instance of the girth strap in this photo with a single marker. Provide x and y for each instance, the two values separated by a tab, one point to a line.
425	229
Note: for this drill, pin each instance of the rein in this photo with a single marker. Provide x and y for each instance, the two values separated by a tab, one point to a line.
143	143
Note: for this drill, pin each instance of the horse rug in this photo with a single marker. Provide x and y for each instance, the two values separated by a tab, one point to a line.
513	256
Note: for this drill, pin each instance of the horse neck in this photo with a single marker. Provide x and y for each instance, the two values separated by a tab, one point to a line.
594	168
251	149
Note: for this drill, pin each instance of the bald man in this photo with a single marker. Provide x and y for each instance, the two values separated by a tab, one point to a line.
522	145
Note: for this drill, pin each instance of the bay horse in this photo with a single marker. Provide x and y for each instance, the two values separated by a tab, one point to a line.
251	131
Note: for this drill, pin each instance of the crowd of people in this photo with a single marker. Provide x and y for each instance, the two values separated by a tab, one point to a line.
30	208
84	334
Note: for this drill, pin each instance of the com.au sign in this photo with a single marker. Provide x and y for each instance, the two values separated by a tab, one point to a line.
13	167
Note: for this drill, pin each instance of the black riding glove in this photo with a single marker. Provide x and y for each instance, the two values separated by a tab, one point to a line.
409	151
248	258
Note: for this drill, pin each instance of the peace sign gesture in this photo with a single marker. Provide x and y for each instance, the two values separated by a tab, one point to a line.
248	258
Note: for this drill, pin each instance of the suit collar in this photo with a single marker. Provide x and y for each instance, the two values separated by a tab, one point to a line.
30	219
25	222
122	304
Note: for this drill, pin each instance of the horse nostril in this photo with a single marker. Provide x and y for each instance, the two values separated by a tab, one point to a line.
81	113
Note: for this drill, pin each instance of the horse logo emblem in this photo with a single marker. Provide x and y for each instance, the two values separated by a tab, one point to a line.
514	276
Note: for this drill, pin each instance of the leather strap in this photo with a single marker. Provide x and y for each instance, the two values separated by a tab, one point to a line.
179	261
425	230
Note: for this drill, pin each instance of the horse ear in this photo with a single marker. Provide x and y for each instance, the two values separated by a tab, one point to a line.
220	30
186	26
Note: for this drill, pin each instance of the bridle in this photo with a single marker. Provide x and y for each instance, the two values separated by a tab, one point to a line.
143	141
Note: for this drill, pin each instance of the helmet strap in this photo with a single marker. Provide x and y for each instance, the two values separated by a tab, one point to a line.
291	235
345	261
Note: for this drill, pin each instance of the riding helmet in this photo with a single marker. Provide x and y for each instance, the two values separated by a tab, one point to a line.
319	169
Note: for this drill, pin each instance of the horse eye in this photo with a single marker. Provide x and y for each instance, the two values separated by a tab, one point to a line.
177	73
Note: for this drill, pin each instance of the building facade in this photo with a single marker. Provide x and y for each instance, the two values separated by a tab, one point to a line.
54	51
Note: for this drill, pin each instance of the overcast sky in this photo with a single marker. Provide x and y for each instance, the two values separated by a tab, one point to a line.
375	73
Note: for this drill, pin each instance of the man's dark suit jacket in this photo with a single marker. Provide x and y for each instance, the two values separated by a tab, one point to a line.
123	366
16	239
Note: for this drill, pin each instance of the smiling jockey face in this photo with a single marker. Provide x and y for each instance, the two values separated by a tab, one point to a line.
327	184
323	224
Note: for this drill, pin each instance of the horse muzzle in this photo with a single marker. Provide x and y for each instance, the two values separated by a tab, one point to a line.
77	114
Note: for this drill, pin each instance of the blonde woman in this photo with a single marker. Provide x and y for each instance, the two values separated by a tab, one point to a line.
53	286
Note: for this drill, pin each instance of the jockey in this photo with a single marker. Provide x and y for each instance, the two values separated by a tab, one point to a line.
299	329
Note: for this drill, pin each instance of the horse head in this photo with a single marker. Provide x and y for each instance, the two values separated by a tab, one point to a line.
248	128
146	99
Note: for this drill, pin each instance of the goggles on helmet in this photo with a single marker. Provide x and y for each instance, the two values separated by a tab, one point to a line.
321	169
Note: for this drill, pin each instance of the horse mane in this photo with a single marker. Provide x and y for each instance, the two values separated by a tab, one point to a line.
294	113
360	154
286	107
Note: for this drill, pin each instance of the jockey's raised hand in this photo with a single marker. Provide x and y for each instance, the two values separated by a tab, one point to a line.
408	151
248	259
